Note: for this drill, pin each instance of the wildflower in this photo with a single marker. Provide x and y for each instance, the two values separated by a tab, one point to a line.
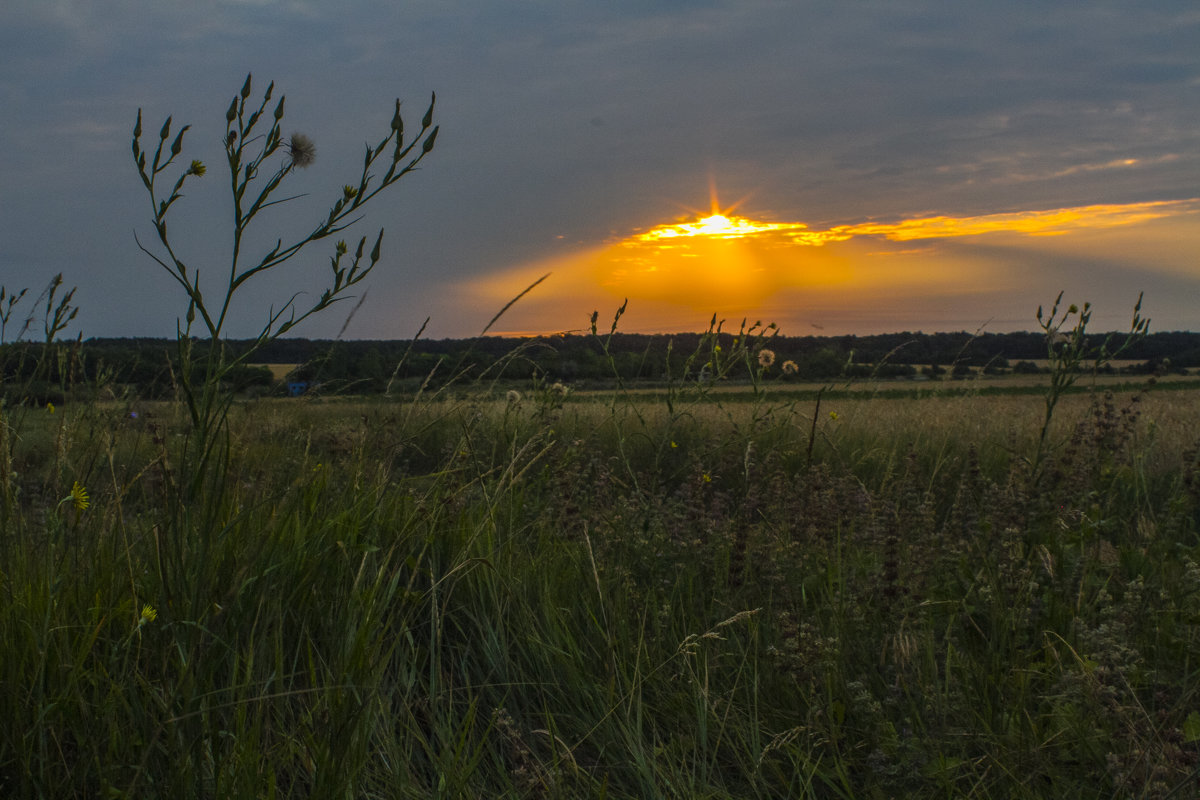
50	407
197	168
790	368
833	415
673	445
766	358
559	388
149	614
513	396
349	192
302	150
707	477
78	496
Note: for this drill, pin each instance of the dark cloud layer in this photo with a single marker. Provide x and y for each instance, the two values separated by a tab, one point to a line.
566	125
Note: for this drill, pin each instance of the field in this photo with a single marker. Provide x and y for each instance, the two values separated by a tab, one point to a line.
538	593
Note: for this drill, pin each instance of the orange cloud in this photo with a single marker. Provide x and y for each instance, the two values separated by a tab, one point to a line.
735	266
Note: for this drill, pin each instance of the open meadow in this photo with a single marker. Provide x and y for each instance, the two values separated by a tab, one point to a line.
531	592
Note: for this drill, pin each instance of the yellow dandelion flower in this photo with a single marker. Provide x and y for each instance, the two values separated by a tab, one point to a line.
833	415
50	407
149	614
78	496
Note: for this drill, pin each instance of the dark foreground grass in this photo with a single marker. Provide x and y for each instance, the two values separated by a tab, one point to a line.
526	598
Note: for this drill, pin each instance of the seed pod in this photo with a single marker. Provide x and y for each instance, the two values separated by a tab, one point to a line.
428	145
246	88
166	129
279	109
231	114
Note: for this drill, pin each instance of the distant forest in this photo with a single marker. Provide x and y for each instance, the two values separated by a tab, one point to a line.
149	366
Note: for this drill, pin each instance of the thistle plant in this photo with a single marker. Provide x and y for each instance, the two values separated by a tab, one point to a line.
259	163
1068	350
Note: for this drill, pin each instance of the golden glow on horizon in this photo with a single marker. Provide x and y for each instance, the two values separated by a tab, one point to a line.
736	265
1051	222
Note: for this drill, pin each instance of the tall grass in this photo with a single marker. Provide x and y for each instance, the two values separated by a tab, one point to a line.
530	597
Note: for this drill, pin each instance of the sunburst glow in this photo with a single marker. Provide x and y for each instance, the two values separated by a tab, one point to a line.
738	265
717	226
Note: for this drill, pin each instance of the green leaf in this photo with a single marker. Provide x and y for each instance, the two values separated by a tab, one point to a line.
1191	727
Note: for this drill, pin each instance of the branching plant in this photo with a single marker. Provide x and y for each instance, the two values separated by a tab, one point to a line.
259	163
1068	350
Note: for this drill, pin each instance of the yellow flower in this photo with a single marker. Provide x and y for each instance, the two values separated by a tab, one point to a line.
149	614
197	168
79	496
833	415
50	407
707	477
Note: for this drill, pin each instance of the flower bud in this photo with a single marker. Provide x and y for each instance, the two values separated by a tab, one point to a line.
397	121
137	128
279	109
166	129
177	145
427	120
428	145
231	114
246	88
375	249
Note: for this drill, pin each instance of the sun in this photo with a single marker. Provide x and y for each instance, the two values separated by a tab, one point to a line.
719	225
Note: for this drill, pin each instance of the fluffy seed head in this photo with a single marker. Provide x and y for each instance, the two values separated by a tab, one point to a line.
302	150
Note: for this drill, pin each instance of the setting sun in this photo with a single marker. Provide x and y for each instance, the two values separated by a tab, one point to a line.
676	273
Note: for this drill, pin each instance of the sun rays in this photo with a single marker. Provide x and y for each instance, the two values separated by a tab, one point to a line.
737	264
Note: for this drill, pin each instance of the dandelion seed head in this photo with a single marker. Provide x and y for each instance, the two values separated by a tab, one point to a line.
766	358
302	150
513	396
790	368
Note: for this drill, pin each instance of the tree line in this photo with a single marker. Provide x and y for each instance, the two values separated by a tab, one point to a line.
150	367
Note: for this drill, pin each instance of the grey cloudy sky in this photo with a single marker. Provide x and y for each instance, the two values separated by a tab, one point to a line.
568	126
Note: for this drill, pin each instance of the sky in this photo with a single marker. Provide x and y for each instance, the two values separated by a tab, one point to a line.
832	166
